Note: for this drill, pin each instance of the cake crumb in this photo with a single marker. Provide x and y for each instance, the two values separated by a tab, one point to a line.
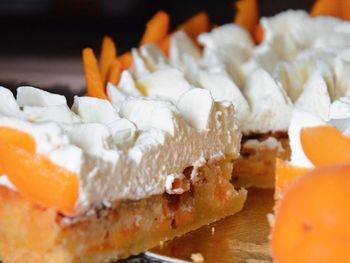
197	258
212	230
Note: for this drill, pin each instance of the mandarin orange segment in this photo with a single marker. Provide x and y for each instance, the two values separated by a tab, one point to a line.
156	29
326	8
196	25
285	175
125	60
107	56
247	15
325	145
312	219
94	83
36	177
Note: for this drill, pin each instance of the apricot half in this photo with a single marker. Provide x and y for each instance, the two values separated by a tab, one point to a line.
35	176
325	145
312	219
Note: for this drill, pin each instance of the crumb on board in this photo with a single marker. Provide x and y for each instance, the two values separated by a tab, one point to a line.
197	258
213	230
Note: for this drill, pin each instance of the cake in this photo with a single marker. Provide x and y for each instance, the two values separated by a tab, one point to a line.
301	62
168	134
96	182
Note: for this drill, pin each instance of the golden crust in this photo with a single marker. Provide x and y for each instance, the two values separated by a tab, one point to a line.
256	167
33	234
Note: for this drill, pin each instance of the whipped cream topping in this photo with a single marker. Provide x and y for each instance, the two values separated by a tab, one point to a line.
127	152
302	119
302	63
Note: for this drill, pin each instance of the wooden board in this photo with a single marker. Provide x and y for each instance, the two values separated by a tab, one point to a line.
239	238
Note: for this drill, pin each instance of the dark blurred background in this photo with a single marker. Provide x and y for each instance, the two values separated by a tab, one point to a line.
41	40
64	27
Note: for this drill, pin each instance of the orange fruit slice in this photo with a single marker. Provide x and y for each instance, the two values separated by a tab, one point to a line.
107	57
247	15
35	176
94	83
325	145
196	25
125	60
156	28
312	219
286	174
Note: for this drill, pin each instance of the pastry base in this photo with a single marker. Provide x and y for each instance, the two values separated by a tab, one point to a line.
256	166
30	233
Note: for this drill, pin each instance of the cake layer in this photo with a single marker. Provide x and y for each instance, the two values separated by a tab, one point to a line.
256	165
33	234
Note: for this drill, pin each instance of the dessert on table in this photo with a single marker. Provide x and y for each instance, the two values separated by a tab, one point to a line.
98	182
170	133
300	62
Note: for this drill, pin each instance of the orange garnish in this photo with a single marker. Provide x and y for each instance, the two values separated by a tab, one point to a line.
156	29
114	72
312	219
285	175
325	145
258	34
125	60
345	10
94	83
17	138
35	176
107	56
196	25
326	8
165	45
247	15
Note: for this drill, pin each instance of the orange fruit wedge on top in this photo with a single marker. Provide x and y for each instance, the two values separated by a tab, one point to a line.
247	15
322	145
35	176
196	25
125	60
312	219
94	82
156	28
325	145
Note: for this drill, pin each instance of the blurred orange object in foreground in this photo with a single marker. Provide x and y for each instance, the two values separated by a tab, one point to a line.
312	220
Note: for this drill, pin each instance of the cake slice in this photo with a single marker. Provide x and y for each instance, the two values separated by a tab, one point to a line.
97	182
